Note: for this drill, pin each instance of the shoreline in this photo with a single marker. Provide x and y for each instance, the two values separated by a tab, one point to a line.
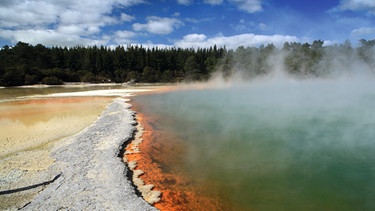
159	162
92	176
72	175
130	157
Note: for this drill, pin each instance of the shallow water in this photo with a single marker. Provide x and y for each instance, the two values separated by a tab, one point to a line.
287	145
33	122
30	116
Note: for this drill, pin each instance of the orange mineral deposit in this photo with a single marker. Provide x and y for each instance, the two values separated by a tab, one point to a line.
159	159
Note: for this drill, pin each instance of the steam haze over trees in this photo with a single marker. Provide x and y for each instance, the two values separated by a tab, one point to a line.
25	64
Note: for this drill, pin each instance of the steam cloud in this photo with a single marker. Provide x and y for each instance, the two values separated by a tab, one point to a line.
297	61
291	125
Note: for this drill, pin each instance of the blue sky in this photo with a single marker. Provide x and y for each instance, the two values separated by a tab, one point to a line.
185	23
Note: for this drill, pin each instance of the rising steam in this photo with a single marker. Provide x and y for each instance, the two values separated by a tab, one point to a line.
296	61
281	128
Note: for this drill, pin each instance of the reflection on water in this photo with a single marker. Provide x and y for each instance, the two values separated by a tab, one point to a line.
275	147
36	121
26	120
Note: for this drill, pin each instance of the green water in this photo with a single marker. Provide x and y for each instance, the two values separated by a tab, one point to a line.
278	145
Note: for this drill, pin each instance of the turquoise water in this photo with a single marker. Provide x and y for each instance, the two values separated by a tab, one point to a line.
306	145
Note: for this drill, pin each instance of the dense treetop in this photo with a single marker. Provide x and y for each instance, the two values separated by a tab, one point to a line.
25	64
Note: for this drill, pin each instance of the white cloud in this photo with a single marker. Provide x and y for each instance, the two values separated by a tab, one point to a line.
125	34
158	25
62	19
357	5
232	42
194	38
37	13
20	14
363	31
123	37
48	37
250	6
213	2
126	18
185	2
71	30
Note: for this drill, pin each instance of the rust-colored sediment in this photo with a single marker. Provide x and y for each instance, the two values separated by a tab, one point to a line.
159	156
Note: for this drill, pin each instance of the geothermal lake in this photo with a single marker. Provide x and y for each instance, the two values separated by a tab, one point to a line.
273	145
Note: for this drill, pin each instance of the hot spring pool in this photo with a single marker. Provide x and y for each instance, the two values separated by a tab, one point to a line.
290	145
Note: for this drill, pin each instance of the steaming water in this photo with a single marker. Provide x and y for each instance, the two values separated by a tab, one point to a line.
277	145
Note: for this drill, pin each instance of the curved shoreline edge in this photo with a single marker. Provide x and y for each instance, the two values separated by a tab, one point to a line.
92	175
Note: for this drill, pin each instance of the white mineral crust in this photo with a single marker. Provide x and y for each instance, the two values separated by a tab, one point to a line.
93	177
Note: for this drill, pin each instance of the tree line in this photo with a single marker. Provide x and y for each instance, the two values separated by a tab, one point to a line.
25	64
307	60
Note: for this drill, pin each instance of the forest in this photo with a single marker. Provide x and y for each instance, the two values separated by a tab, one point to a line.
26	64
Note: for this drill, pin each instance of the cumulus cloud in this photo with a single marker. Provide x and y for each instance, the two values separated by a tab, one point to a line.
357	5
158	25
232	42
37	13
125	34
26	13
123	37
60	19
250	6
194	38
